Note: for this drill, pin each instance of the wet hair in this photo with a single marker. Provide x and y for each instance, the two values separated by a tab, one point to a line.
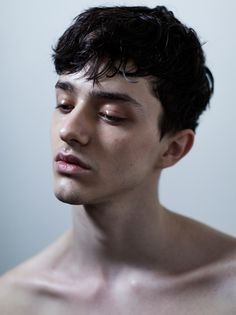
103	40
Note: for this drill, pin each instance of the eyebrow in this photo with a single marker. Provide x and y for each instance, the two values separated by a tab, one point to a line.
102	95
65	86
115	96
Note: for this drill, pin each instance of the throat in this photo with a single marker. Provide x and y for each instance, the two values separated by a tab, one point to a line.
110	236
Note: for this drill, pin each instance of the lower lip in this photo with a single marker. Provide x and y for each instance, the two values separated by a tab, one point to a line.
70	169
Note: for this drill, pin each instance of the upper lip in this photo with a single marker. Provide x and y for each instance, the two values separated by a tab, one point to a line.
72	159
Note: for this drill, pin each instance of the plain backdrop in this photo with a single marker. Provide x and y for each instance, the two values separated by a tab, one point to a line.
201	186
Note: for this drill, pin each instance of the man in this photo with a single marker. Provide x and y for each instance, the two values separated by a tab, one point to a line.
132	85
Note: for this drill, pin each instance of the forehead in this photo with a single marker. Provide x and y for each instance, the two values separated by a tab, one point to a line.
138	89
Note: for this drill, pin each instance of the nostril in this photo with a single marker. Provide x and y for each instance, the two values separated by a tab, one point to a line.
67	135
74	135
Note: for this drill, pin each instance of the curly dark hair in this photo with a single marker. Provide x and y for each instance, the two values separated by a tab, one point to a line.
159	46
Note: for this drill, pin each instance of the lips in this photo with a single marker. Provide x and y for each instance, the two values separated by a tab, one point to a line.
70	164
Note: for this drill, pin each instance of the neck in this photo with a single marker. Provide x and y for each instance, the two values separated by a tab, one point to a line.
118	232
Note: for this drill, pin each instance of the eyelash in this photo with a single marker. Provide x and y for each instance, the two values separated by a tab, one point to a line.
66	108
111	118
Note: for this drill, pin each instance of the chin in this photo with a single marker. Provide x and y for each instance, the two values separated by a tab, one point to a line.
67	193
69	199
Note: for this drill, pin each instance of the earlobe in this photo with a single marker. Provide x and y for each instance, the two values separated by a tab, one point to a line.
178	145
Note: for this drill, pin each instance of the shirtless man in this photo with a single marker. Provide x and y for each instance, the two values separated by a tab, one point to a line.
132	84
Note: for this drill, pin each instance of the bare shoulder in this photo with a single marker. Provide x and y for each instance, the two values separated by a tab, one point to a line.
209	244
225	272
20	288
205	278
15	293
219	281
213	255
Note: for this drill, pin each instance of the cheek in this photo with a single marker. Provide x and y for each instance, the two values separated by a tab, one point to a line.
135	149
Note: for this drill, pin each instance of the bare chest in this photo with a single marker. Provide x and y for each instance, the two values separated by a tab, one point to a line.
148	303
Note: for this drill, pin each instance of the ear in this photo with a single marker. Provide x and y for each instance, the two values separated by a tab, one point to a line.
176	147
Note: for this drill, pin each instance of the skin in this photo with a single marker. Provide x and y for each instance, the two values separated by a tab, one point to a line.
125	253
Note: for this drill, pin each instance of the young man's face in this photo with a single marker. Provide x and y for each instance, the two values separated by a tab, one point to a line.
105	138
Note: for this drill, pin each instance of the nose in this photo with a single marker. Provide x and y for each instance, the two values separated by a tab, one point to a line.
75	127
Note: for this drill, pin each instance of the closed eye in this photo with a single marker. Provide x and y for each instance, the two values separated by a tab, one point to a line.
65	108
111	118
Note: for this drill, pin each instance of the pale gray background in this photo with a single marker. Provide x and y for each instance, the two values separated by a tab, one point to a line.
201	186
